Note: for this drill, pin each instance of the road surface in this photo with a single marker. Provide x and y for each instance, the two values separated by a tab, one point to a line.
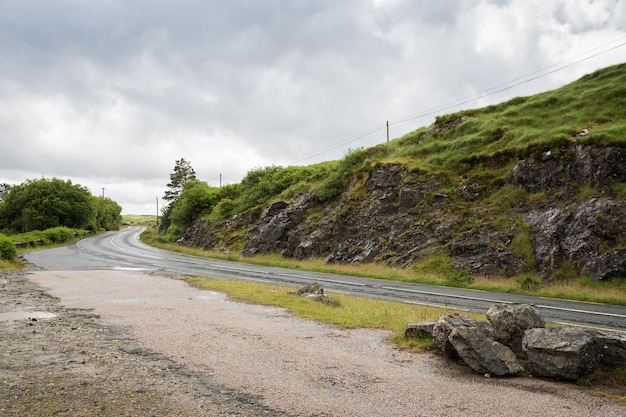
123	250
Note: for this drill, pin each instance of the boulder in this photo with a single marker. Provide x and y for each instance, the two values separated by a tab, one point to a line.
612	347
417	330
315	292
510	321
561	352
447	323
482	354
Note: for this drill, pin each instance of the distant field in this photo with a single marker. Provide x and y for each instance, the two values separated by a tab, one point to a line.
138	219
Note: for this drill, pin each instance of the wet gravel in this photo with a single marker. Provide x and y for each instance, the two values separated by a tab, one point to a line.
121	343
66	363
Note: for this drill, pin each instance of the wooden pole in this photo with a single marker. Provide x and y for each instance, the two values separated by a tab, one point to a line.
387	131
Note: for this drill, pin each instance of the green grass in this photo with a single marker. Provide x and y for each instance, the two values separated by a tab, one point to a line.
352	312
138	220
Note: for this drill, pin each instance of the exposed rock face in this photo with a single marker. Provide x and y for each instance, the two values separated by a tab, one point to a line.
563	166
510	321
561	352
398	217
482	354
578	234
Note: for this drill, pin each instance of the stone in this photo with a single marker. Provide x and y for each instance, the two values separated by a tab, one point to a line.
444	326
419	330
612	347
482	354
510	321
561	352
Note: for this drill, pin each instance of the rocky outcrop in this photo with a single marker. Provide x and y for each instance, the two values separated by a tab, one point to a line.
397	217
582	235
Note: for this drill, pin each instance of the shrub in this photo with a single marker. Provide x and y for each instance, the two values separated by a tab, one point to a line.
7	248
529	282
59	234
460	278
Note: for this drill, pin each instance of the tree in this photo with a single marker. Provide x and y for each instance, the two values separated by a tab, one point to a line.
108	213
195	200
43	203
183	172
4	190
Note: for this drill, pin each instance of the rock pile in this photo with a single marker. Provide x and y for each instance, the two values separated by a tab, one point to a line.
516	334
315	292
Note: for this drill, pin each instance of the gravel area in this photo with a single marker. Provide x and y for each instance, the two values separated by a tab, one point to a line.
127	343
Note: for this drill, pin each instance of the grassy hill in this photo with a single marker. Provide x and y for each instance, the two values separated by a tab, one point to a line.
474	188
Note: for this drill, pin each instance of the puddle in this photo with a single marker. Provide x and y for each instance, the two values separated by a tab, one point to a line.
26	315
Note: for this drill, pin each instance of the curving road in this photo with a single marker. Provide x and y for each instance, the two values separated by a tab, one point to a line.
123	250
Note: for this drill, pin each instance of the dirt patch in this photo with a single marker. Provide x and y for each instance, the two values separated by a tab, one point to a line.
63	362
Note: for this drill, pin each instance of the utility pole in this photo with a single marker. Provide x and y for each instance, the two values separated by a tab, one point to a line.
103	192
157	206
387	131
220	180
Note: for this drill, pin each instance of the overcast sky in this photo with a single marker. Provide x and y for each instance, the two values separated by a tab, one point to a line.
110	93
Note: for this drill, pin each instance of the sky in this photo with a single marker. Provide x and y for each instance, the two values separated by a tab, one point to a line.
110	93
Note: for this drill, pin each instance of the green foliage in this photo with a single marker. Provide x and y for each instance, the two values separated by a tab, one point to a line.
522	246
338	182
108	213
262	184
43	203
529	282
567	272
59	234
7	248
460	278
195	199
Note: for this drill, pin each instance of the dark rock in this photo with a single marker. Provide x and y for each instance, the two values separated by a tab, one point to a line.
578	236
313	288
419	330
482	354
510	321
561	352
397	217
612	347
444	326
315	292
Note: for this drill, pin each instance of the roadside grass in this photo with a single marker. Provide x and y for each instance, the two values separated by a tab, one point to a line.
351	312
10	265
433	271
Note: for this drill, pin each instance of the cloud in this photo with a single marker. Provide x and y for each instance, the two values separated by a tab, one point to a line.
112	93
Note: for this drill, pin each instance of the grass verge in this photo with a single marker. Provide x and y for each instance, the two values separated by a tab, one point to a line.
352	312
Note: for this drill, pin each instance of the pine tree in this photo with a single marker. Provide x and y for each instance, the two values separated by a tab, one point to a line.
183	172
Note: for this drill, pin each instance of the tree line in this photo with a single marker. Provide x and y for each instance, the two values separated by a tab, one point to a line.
48	203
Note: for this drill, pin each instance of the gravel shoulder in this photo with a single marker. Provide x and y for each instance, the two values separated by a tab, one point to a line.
113	343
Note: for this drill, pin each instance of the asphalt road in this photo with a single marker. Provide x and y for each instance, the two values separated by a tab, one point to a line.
123	250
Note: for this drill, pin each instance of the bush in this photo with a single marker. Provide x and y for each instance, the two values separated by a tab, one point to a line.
7	248
59	234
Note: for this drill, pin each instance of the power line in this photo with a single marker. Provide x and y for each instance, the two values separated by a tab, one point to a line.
482	94
468	99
